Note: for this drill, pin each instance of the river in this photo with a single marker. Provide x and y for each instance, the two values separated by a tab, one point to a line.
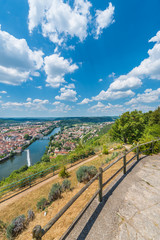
36	150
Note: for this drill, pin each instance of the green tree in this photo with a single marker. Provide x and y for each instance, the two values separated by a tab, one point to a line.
155	117
105	150
45	158
129	127
27	137
63	172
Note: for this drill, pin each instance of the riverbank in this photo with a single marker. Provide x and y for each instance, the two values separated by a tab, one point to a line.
12	154
36	149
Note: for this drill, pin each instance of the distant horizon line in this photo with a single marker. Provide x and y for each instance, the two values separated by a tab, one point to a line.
59	117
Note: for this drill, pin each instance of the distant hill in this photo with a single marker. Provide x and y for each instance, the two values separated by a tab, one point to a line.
70	120
74	120
21	120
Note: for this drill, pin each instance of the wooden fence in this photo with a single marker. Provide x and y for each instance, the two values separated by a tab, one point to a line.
38	232
26	182
12	189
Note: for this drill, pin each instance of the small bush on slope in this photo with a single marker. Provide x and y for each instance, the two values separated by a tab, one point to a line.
66	185
41	205
85	173
55	192
17	226
63	173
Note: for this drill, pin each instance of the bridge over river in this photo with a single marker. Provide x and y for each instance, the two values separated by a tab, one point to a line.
45	138
130	208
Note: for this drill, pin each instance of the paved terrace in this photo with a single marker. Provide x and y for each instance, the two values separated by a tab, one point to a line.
130	210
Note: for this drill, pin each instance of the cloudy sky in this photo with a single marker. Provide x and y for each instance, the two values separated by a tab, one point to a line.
78	57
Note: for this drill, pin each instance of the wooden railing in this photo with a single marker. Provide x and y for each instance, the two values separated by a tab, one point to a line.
25	182
38	232
14	188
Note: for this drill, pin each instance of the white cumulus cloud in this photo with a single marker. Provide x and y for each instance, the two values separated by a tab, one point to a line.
61	107
85	101
17	60
148	68
56	67
105	95
36	104
29	99
58	19
140	107
124	83
104	19
98	106
100	80
39	87
67	94
3	92
155	38
148	96
40	101
107	109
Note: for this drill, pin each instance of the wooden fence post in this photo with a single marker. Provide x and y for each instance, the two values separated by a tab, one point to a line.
30	182
124	164
100	184
37	233
137	153
152	146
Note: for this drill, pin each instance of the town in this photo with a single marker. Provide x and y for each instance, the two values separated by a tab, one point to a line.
70	137
14	138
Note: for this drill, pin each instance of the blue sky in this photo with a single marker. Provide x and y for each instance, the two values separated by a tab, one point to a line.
78	57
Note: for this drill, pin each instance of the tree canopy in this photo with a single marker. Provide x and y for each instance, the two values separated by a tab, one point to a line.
27	137
131	126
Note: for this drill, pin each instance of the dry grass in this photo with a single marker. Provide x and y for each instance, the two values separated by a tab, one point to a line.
39	180
21	207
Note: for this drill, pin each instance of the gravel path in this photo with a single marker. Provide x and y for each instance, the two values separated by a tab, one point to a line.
130	210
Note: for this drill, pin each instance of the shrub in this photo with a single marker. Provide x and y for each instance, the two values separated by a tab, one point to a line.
118	147
31	215
63	173
105	150
23	169
114	154
156	147
80	153
45	158
16	227
146	147
55	192
85	173
41	205
20	170
108	160
148	138
66	185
